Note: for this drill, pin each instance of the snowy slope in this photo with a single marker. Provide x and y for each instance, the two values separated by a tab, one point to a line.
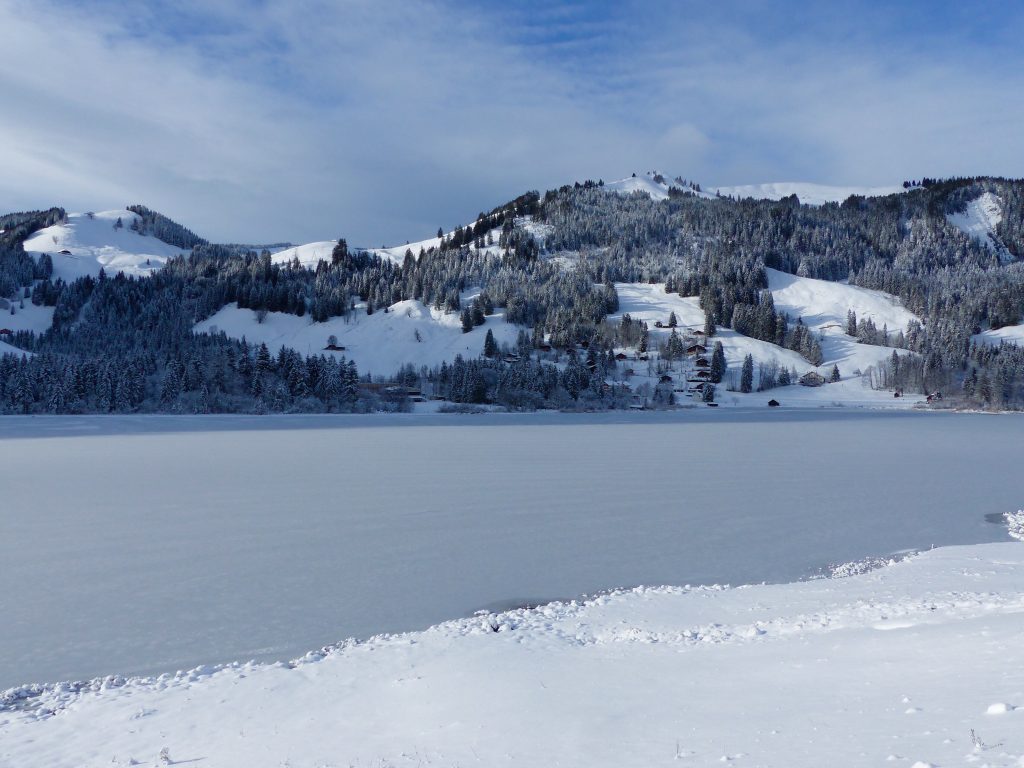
27	318
917	664
822	305
308	254
1011	334
379	343
644	183
651	303
95	243
649	185
7	349
809	194
979	221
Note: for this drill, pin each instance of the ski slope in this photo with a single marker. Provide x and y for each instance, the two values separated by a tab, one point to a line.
379	343
93	243
917	664
808	193
822	305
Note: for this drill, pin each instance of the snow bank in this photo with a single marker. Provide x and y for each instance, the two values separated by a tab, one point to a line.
93	242
881	667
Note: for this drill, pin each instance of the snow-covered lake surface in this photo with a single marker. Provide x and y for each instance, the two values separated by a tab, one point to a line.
139	545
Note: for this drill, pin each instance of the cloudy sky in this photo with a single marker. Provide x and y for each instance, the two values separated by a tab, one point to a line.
381	120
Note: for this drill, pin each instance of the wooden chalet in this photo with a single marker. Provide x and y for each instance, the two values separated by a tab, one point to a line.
812	379
702	362
696	349
773	403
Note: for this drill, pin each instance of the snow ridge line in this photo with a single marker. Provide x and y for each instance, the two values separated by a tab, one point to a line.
39	701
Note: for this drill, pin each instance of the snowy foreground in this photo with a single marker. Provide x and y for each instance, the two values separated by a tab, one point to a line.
919	663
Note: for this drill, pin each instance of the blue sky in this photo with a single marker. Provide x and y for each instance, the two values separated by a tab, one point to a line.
380	121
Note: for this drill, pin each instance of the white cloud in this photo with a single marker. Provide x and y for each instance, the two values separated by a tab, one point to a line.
382	120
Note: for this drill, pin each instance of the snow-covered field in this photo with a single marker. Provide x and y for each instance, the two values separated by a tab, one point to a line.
93	243
150	544
918	664
409	332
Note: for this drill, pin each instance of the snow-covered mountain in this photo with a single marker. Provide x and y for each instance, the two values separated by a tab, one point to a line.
88	242
808	193
657	185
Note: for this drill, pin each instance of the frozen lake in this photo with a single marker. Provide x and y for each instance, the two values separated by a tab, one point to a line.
148	544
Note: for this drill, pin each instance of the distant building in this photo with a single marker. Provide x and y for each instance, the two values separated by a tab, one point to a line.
773	403
812	379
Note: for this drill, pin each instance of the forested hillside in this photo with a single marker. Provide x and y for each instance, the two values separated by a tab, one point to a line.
549	265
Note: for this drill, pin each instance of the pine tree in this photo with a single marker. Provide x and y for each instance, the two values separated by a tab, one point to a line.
490	346
718	365
747	374
835	374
